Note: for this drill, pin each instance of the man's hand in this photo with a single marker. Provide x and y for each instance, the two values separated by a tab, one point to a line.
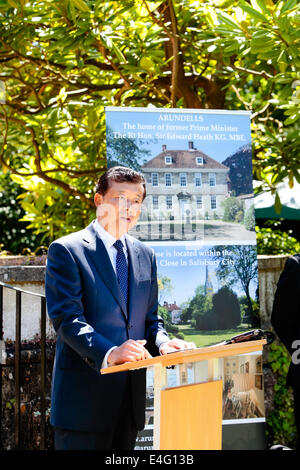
175	345
129	351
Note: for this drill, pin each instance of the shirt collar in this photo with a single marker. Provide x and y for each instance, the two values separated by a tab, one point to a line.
106	237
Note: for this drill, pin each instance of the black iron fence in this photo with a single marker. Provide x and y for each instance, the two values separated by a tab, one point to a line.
16	357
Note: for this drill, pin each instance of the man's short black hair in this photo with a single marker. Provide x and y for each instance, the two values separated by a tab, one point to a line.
119	174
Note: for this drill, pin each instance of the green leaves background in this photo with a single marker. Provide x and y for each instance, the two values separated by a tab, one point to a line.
63	61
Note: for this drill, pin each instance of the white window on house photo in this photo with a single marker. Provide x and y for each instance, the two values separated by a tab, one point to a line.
198	180
183	179
199	202
213	202
169	202
168	160
155	202
199	160
168	179
154	179
212	179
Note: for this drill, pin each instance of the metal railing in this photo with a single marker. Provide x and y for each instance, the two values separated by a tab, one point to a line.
17	363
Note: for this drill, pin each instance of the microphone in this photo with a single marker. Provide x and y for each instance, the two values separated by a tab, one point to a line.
252	335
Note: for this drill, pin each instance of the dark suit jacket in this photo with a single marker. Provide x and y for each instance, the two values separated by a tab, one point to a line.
286	312
88	313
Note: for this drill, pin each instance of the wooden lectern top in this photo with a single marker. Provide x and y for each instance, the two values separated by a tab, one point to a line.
190	355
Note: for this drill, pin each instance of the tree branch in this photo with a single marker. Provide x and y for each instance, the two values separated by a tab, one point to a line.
180	86
157	20
42	174
175	46
2	161
253	72
102	50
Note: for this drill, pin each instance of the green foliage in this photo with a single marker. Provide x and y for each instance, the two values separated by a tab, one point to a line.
163	313
219	311
180	335
10	404
201	306
233	209
281	427
226	309
275	242
63	61
249	219
252	319
14	237
164	288
242	270
124	151
262	41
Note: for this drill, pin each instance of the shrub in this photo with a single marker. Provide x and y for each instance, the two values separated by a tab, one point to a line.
275	242
281	427
249	219
233	209
180	335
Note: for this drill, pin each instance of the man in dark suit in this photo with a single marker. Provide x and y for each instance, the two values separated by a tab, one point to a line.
286	322
101	290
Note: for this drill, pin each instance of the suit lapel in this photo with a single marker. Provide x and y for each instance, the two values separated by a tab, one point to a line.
100	258
134	273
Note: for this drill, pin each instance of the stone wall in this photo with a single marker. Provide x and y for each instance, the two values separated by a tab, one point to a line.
26	273
269	268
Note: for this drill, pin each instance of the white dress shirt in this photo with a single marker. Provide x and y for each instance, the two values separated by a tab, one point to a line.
108	241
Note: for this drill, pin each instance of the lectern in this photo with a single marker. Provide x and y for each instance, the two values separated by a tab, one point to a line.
189	416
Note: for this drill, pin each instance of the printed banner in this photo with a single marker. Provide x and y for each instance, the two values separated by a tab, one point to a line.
198	216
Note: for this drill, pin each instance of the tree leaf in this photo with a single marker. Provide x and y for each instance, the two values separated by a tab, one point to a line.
288	5
291	119
277	204
227	19
13	4
259	5
81	5
252	12
291	179
118	52
147	64
297	176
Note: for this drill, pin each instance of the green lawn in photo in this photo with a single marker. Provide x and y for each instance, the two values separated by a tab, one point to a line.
203	338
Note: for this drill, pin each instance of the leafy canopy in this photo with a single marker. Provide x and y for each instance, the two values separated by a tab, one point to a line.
62	61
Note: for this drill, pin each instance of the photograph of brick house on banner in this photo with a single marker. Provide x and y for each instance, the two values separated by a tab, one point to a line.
186	183
198	216
187	187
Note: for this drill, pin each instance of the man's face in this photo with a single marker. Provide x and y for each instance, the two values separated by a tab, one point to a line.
119	209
